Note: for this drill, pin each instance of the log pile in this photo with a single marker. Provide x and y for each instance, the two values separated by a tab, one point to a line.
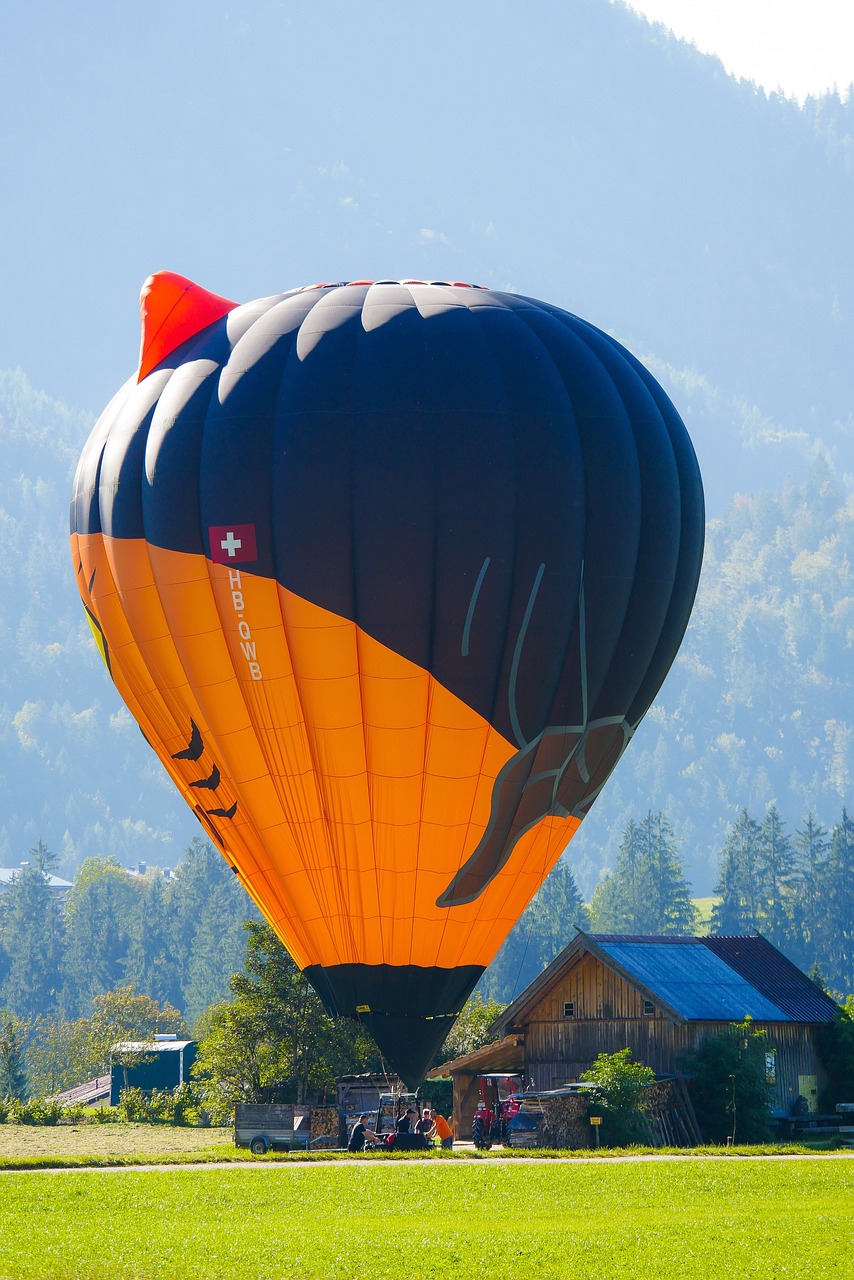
565	1124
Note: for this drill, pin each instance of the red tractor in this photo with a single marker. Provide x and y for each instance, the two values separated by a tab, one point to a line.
496	1108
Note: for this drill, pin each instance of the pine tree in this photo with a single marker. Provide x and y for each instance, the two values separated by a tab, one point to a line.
837	883
40	856
619	902
740	882
97	933
149	964
546	926
809	917
673	910
31	935
207	910
776	864
14	1035
646	893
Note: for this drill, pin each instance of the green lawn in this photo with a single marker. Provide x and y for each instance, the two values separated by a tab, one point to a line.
722	1219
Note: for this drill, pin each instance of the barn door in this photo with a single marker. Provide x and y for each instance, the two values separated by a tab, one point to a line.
808	1088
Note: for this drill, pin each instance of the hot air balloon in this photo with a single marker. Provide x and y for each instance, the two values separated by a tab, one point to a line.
388	574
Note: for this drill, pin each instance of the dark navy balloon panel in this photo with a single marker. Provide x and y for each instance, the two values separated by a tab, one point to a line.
389	573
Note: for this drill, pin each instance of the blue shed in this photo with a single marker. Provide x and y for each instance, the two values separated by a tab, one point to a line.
167	1064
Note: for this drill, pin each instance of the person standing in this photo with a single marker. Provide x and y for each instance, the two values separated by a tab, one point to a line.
443	1131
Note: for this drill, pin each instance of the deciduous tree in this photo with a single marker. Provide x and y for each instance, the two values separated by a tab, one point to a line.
471	1029
273	1041
123	1019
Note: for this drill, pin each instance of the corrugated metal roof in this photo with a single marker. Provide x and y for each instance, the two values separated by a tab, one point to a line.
699	979
151	1046
768	970
692	980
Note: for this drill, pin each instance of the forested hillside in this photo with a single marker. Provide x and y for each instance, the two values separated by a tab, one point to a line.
567	151
177	940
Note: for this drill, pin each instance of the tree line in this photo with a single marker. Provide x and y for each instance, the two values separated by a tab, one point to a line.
177	939
795	888
179	954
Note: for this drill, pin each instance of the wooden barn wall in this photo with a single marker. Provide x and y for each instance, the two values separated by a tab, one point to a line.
466	1098
596	991
609	1015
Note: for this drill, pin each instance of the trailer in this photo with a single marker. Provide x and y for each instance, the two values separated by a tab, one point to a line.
274	1126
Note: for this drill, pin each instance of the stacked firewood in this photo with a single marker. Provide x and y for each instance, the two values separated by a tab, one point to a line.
565	1123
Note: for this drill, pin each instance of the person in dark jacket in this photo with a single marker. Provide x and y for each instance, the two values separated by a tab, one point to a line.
425	1123
360	1133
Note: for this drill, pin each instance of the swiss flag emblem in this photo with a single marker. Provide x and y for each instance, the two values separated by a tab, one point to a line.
232	543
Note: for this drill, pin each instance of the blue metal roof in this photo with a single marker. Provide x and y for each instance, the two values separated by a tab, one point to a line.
691	980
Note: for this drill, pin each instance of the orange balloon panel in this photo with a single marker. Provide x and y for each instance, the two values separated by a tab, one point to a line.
359	785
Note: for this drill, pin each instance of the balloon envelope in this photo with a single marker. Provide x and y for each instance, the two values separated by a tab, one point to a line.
388	573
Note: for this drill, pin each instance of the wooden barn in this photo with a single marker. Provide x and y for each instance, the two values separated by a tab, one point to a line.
660	997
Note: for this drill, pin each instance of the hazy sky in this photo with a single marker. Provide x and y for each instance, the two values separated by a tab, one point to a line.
801	46
257	146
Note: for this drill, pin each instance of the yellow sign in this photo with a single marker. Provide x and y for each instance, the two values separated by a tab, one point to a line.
595	1119
363	1008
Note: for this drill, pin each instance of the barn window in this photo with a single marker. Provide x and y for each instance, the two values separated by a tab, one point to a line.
648	1009
569	1009
771	1067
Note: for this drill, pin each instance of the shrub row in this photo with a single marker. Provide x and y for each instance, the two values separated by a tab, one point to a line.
161	1106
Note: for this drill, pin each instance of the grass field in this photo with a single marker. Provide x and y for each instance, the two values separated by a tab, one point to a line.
704	906
505	1221
106	1140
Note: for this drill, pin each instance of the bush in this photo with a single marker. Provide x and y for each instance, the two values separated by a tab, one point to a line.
36	1111
730	1094
104	1115
219	1111
4	1111
132	1105
161	1106
622	1086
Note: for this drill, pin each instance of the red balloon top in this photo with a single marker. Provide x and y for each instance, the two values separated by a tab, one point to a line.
173	309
